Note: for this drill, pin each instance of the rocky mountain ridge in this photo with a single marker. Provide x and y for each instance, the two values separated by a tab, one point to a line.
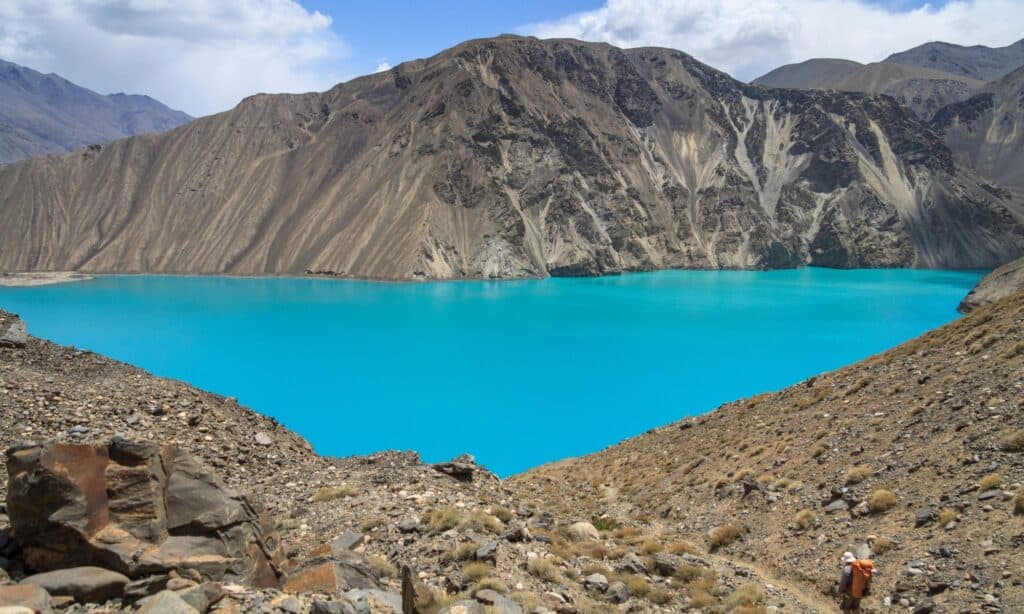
514	157
47	114
976	61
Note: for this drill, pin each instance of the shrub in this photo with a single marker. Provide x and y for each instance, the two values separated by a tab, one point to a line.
947	516
856	475
462	552
700	598
683	547
819	450
637	585
724	535
479	520
544	569
605	523
688	572
881	500
492	583
476	571
746	595
881	545
650	546
626	532
992	480
329	493
1018	503
441	519
659	596
383	566
804	519
1014	442
368	524
502	513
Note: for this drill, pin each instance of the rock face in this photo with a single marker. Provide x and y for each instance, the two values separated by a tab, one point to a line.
41	114
13	332
514	157
1000	283
986	134
135	508
84	584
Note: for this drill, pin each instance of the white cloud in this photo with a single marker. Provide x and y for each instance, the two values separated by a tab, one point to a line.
200	56
750	37
383	66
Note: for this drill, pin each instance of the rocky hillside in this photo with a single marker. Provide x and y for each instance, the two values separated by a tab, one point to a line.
914	457
986	132
46	114
976	62
997	285
813	74
346	527
514	157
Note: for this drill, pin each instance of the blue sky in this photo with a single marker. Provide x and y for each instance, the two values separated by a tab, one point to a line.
204	56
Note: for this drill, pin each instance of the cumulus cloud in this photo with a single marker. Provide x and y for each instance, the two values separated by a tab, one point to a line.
750	37
200	56
383	66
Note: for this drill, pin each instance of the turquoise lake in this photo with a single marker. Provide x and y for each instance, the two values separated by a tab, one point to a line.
515	372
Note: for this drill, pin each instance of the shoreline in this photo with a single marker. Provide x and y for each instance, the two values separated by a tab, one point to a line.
42	278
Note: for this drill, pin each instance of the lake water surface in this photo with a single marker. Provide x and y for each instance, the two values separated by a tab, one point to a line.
514	372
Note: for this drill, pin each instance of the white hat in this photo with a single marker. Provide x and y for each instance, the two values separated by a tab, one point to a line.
848	557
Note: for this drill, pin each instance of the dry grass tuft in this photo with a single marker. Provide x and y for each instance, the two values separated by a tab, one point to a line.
650	546
659	596
502	513
481	521
462	552
804	519
992	480
330	493
881	500
441	519
724	535
1018	503
947	516
637	585
746	595
1014	442
383	566
476	571
856	475
881	545
544	569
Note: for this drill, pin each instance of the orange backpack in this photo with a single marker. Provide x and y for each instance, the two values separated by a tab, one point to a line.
860	577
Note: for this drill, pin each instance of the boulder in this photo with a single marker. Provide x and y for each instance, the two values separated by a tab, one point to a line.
84	584
465	606
596	582
582	531
462	468
30	596
331	607
13	332
136	508
342	571
375	600
166	602
617	592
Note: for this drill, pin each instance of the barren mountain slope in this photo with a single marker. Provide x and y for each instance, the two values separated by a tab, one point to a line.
986	132
41	114
916	454
977	62
514	157
922	90
1000	283
813	74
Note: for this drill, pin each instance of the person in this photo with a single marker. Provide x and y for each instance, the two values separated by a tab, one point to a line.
848	603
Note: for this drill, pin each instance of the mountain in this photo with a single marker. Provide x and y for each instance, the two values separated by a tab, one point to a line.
514	157
977	62
41	114
923	90
817	74
986	132
912	458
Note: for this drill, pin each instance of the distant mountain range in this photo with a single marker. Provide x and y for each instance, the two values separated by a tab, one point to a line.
925	78
41	114
515	157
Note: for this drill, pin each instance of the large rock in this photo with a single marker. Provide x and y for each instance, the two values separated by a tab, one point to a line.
341	572
582	531
997	285
13	332
84	584
30	596
136	508
166	602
